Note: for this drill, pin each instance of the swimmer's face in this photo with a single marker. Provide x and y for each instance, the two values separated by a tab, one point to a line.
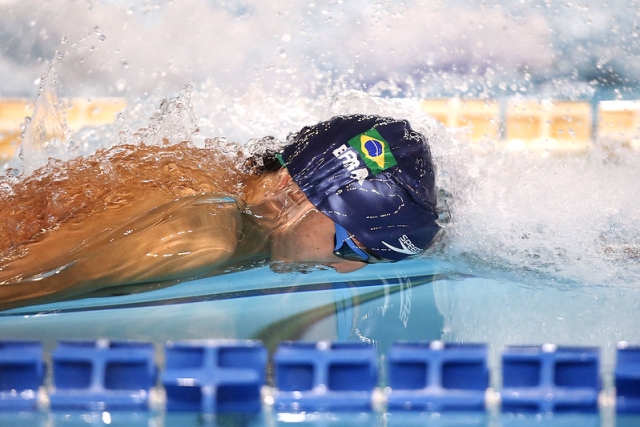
303	235
310	240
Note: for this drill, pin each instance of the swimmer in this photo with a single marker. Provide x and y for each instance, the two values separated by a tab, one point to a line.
344	193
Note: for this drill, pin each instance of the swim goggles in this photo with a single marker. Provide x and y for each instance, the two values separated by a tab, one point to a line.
347	249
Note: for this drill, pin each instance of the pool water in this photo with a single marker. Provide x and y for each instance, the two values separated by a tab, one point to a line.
377	304
343	419
416	300
541	247
412	300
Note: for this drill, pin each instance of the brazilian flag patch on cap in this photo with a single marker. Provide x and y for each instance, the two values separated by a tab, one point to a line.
374	151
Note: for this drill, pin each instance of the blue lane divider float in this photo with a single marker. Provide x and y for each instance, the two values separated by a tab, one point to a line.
550	379
228	376
98	375
437	377
325	376
214	376
627	378
21	374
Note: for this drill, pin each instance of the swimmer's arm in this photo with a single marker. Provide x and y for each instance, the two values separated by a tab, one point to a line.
191	242
178	240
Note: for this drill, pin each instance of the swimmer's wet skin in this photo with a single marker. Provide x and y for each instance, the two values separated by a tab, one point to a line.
352	190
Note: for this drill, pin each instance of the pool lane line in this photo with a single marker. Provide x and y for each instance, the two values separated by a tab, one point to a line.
429	278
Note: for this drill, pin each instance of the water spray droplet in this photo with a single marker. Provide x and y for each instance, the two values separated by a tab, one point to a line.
121	85
102	37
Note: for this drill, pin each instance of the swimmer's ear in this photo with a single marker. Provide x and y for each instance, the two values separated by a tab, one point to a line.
347	266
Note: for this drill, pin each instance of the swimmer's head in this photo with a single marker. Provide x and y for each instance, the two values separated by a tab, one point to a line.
373	176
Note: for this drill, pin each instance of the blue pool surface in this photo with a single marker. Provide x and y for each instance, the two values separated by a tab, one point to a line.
378	303
416	300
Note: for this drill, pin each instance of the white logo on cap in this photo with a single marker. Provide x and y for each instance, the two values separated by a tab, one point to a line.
351	162
407	246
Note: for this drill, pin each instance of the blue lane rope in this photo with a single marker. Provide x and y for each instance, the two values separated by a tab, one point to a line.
229	376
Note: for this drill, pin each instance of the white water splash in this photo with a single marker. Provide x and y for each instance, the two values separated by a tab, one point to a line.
567	218
45	134
523	215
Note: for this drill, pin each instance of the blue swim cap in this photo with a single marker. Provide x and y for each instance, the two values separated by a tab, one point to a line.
372	175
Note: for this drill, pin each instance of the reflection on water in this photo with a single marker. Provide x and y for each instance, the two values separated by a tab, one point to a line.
363	308
360	306
400	419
